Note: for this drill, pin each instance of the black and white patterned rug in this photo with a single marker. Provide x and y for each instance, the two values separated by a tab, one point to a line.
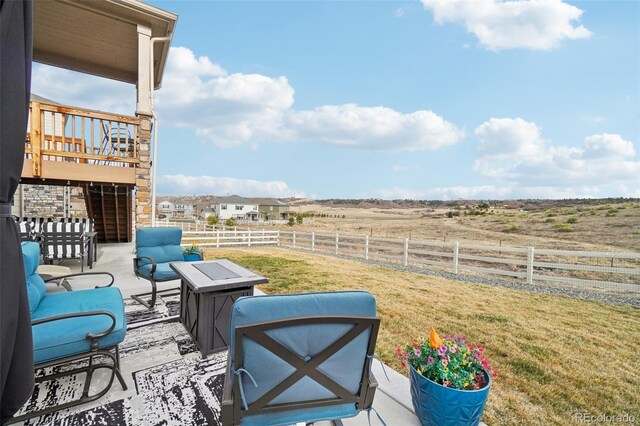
169	383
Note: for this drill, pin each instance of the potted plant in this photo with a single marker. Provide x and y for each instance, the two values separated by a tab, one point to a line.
193	253
450	379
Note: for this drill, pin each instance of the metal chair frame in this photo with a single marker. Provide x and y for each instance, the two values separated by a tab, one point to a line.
232	410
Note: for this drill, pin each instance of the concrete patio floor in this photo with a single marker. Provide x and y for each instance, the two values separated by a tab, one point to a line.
392	400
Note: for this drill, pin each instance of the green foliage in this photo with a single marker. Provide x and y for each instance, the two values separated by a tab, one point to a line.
292	221
511	228
572	219
299	219
451	362
550	220
564	227
230	222
212	220
568	210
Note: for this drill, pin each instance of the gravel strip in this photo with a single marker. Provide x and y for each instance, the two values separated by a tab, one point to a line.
576	293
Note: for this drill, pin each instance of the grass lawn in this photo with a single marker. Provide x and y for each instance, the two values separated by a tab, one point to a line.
555	356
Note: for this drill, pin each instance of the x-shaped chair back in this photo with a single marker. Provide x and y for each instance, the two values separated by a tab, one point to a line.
308	367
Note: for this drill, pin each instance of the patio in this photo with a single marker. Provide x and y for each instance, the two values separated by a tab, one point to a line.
170	359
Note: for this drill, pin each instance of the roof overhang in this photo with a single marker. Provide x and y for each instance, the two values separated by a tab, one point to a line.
99	37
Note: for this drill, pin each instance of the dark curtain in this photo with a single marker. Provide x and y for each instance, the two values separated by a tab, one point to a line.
16	345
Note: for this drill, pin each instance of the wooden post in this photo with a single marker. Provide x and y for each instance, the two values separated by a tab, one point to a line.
406	252
366	247
456	251
337	243
530	265
313	241
36	138
294	239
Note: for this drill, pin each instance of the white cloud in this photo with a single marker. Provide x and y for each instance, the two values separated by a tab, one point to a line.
247	109
230	110
447	193
513	151
83	90
593	119
608	146
498	25
376	128
227	110
182	184
399	12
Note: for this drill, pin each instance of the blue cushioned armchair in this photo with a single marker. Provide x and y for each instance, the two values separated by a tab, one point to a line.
300	358
156	248
72	326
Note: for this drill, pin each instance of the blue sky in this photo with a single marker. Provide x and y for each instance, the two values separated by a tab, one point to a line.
430	100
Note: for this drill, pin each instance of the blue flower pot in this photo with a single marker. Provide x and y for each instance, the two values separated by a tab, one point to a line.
192	257
437	405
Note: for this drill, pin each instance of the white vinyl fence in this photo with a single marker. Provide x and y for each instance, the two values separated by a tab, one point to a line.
604	270
600	270
219	238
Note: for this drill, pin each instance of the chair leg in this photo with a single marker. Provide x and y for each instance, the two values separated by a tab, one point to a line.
118	373
152	302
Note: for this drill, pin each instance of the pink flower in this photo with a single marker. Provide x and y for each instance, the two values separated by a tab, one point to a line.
416	352
445	362
430	360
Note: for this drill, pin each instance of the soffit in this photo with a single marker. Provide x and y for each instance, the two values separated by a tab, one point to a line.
99	37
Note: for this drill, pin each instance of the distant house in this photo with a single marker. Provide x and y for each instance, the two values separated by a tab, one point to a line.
176	208
166	208
206	212
272	209
184	210
235	207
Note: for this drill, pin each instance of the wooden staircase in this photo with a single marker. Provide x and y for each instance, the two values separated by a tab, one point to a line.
110	208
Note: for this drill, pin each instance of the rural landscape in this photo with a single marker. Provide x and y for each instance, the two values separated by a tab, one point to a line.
612	224
543	346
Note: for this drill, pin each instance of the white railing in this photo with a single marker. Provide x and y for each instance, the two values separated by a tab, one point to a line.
605	270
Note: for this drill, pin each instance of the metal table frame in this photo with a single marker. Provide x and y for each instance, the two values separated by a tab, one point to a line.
205	302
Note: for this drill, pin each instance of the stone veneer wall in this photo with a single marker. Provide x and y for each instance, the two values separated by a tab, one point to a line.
49	201
143	174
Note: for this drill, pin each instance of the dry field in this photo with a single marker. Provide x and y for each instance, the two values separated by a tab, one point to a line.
555	356
605	227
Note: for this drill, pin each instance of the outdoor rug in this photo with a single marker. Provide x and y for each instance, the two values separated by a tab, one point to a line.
169	383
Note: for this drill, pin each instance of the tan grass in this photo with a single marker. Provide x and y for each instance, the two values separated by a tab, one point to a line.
554	355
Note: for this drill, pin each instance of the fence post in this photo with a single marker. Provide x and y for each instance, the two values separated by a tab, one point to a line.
337	242
249	234
313	241
294	239
406	251
366	247
456	251
218	238
278	238
530	265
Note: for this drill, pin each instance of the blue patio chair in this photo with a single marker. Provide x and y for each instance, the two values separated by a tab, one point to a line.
85	325
156	248
300	358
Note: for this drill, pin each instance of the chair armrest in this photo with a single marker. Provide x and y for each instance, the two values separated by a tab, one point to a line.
82	274
90	336
150	259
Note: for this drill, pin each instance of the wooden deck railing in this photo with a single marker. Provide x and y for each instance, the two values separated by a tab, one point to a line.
64	134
